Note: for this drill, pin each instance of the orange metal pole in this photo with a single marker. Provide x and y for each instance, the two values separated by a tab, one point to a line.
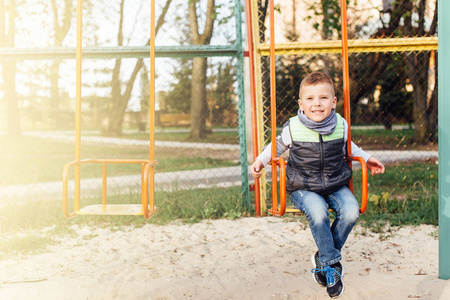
143	187
273	108
65	204
282	210
364	183
347	116
78	104
253	100
282	165
148	206
144	196
104	187
345	74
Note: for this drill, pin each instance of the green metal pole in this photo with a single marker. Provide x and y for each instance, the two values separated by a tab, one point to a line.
241	94
444	137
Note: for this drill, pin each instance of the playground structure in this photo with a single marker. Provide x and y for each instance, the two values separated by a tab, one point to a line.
254	55
444	147
258	50
263	97
147	165
146	207
279	162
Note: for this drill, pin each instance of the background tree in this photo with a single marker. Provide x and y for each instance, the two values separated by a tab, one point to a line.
222	94
178	100
290	70
401	18
396	98
119	99
425	110
199	105
62	20
8	15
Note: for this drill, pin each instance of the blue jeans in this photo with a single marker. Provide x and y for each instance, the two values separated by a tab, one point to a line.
329	240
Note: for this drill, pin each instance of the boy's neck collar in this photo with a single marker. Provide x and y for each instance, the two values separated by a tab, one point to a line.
324	127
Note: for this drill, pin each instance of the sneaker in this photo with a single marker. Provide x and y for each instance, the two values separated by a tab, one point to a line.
318	275
334	274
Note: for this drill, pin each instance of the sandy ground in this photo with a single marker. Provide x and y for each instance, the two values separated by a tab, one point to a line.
249	258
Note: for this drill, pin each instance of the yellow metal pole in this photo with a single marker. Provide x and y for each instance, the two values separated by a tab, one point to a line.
273	106
253	101
104	187
78	105
259	102
355	46
143	187
152	100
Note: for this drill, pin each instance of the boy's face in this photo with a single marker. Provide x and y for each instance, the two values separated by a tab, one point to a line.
317	101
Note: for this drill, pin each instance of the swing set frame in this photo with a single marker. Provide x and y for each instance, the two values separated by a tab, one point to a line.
278	163
146	207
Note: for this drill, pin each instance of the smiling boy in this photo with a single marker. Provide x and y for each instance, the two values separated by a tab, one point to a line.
317	175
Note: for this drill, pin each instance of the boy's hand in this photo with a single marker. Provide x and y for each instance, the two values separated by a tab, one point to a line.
375	166
256	168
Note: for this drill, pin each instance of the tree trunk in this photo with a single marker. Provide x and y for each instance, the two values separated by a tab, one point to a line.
199	107
12	103
7	34
119	101
61	31
416	66
199	110
55	97
433	106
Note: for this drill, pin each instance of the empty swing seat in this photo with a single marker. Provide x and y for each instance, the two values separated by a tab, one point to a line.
145	208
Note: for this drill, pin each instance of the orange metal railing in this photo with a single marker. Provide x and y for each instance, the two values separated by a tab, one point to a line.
281	163
146	208
282	209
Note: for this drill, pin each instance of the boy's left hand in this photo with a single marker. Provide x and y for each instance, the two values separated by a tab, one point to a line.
375	166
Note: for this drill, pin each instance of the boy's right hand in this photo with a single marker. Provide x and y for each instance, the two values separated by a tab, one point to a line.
256	168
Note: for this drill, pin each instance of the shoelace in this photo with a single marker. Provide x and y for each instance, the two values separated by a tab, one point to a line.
329	273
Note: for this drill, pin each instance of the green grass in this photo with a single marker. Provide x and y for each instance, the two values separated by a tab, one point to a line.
216	137
32	160
388	139
407	194
396	138
42	223
401	139
28	243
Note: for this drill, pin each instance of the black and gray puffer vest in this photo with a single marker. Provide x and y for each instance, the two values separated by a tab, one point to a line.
316	162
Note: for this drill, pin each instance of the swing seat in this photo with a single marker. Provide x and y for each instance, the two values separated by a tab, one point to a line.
146	208
282	209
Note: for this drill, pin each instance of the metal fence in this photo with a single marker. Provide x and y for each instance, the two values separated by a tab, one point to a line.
199	143
200	127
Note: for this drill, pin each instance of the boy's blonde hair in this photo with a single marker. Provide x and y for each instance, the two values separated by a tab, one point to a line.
316	78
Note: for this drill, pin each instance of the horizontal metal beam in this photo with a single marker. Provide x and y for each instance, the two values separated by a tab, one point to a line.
355	46
117	52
